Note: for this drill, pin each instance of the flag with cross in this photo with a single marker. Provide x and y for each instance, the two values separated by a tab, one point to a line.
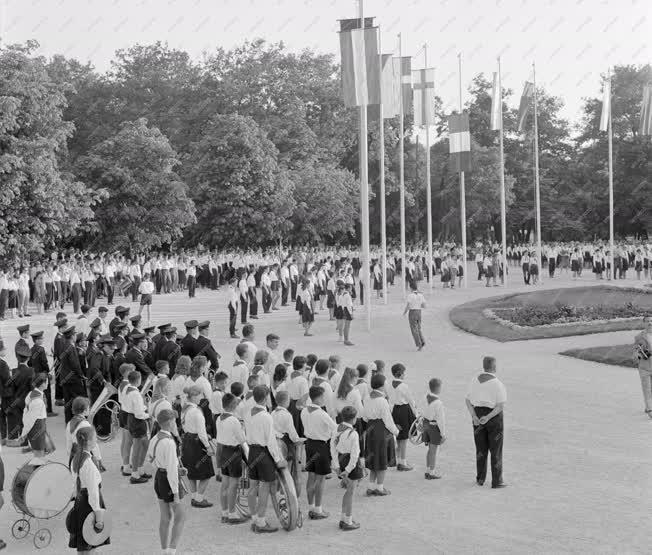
423	89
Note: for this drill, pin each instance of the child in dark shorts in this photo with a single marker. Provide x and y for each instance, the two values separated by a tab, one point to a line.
345	455
434	427
230	437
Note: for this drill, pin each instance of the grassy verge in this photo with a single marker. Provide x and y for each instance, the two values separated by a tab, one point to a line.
618	355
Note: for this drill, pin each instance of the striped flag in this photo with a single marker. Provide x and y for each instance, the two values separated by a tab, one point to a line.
645	126
496	106
524	107
606	106
423	89
459	140
360	67
391	86
405	63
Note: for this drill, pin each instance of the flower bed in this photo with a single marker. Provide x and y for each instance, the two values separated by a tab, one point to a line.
559	314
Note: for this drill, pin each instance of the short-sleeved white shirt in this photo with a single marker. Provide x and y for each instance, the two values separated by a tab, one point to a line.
415	300
486	393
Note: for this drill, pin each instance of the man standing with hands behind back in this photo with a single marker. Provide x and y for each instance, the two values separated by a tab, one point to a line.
485	401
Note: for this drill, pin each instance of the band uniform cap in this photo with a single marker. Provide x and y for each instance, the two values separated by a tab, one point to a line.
171	329
120	326
61	323
102	309
191	324
163	327
91	536
136	318
68	331
37	334
80	337
149	329
106	340
23	329
137	336
203	325
95	323
86	307
121	309
23	351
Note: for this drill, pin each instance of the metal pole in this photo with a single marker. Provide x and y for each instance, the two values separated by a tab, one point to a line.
536	174
428	187
462	191
401	173
381	155
364	197
611	182
503	212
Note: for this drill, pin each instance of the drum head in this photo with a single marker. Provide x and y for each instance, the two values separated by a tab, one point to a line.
48	490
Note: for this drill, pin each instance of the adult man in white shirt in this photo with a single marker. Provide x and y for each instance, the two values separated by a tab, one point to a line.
109	276
485	401
415	302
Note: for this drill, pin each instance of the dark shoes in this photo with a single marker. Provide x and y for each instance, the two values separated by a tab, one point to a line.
203	504
268	528
429	476
235	520
346	527
377	492
499	485
139	480
314	515
234	336
404	467
480	482
52	413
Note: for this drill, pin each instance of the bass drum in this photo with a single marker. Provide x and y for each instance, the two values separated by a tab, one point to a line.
42	491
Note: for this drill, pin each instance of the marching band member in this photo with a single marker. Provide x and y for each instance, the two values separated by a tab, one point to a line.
345	457
230	438
35	418
80	411
137	424
88	498
196	451
434	427
404	411
162	453
264	457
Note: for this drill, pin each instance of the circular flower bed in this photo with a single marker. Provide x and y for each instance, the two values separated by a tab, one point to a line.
541	315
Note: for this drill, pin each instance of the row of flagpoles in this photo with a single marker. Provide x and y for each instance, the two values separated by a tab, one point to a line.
370	78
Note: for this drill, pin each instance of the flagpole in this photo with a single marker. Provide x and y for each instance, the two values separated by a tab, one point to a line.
364	198
611	182
503	212
401	170
462	191
428	187
536	174
381	155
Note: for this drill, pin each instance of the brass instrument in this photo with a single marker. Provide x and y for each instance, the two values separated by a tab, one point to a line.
146	389
105	402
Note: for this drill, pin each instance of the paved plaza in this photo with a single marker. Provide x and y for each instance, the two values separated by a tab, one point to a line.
577	447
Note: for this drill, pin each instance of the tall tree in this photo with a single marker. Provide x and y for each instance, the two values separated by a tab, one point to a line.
147	204
242	195
40	205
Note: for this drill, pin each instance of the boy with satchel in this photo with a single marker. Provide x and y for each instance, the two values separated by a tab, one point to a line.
168	482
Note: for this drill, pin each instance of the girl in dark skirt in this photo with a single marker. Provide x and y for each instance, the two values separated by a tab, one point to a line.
349	396
35	418
338	311
196	451
379	442
307	313
330	300
88	498
403	412
534	268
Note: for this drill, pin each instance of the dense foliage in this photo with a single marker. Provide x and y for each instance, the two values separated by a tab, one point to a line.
539	315
253	145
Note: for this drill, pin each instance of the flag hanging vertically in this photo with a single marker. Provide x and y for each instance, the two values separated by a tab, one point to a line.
496	105
459	139
354	23
645	125
390	80
405	63
606	105
360	67
524	107
423	88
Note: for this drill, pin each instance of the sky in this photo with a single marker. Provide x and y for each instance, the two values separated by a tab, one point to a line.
572	42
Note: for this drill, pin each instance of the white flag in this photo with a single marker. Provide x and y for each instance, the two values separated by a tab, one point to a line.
496	106
606	106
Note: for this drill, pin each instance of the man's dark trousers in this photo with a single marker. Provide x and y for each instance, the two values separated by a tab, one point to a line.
489	439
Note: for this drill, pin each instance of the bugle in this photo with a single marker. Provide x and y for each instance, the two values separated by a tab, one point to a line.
107	423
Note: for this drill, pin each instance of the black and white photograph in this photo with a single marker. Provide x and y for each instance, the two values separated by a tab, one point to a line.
264	262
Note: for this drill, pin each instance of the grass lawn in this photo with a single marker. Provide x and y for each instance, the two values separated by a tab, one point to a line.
618	355
469	316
